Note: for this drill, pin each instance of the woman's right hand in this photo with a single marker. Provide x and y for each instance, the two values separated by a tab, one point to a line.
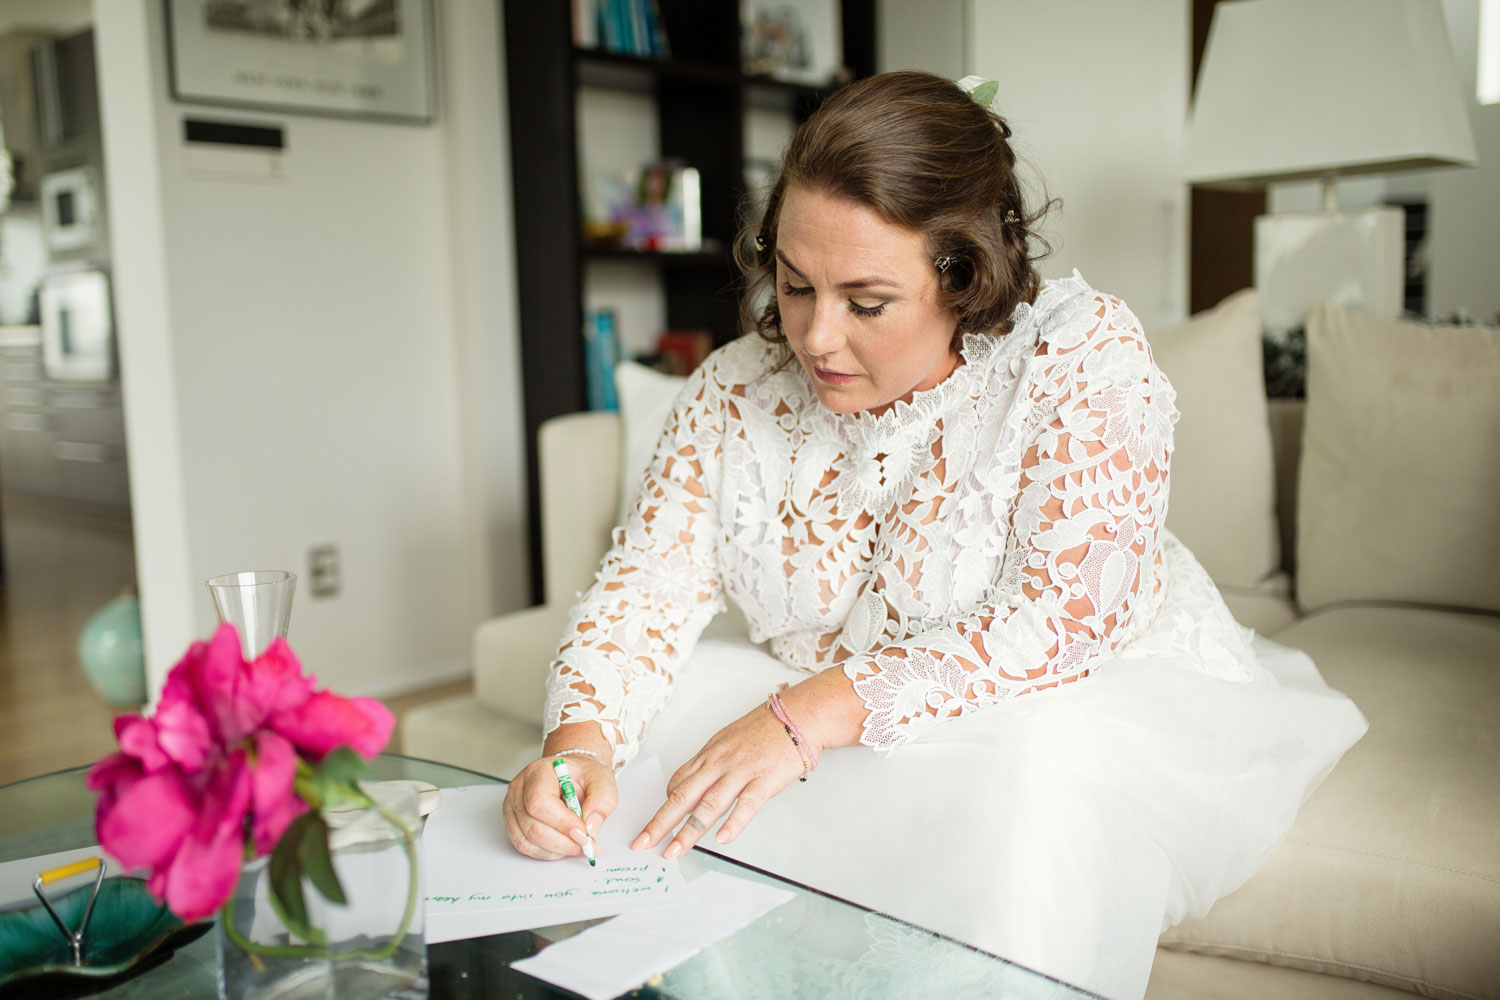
540	824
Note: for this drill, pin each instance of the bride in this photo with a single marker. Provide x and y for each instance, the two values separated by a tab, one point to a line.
936	485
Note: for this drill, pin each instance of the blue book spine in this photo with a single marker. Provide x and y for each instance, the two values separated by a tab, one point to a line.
609	28
656	31
601	353
626	26
639	28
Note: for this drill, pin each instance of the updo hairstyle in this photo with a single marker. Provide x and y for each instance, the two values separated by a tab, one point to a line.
916	149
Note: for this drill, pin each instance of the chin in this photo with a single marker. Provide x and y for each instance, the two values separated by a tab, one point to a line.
840	402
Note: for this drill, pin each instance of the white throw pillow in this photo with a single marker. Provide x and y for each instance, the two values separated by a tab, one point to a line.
1223	491
1400	485
646	397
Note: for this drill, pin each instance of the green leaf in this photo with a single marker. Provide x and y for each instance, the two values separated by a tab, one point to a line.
984	94
337	778
317	861
345	766
285	873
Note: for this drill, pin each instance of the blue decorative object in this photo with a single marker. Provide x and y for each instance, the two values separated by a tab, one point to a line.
109	649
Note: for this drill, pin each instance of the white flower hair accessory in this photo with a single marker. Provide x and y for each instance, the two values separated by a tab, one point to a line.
981	91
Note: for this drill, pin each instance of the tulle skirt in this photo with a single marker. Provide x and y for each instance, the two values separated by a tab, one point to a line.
1064	830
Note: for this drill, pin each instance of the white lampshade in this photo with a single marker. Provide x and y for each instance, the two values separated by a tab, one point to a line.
1295	89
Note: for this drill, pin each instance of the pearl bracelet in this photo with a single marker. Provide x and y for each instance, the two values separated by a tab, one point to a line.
586	753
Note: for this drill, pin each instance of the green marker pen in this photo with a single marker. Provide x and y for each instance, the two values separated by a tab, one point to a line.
570	796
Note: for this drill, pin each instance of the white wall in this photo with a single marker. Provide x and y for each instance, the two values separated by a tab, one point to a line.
1465	203
477	130
300	359
923	34
1098	120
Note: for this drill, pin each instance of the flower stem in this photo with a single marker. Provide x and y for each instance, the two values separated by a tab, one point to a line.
254	949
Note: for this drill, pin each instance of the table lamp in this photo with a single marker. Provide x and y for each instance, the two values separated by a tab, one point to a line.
1300	89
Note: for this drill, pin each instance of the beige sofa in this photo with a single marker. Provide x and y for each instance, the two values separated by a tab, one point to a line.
1383	492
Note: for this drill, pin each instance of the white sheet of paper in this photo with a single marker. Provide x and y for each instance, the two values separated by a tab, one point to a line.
621	954
476	884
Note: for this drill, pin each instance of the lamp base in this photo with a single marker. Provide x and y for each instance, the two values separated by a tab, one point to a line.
1352	258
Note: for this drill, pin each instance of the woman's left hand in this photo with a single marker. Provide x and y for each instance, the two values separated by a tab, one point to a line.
743	765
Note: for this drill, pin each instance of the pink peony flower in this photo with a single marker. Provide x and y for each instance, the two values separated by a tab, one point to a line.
273	800
213	772
326	720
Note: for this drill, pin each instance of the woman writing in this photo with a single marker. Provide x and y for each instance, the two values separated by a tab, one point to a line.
933	483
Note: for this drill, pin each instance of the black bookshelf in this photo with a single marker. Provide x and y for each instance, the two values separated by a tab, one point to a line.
701	97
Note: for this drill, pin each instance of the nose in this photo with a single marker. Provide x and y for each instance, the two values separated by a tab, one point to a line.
825	334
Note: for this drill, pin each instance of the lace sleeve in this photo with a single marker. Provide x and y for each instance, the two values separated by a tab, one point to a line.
1084	535
655	591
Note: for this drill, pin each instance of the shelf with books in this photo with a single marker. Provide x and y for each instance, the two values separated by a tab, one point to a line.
703	103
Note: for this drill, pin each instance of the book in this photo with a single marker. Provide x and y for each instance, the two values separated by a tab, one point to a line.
585	24
601	352
681	351
656	30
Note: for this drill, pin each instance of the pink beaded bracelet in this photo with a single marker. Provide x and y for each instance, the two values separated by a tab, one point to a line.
804	749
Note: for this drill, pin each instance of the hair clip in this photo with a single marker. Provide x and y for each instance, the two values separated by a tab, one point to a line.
981	91
1010	217
943	263
760	243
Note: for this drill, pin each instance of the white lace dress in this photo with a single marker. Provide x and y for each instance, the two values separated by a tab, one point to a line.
1000	535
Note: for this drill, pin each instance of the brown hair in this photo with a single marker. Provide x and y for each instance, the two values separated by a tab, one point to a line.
916	149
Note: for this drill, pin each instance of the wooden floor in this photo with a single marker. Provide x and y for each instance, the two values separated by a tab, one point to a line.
61	567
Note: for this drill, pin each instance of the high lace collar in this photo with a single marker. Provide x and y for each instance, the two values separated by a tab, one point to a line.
978	352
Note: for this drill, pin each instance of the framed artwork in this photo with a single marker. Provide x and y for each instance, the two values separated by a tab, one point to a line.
796	40
350	58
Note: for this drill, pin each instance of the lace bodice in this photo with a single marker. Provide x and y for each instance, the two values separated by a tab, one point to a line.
998	534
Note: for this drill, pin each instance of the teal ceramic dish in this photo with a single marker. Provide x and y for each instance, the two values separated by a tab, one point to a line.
128	931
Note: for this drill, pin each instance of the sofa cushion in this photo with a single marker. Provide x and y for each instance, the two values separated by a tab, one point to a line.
1223	503
1401	427
1183	975
1392	871
646	397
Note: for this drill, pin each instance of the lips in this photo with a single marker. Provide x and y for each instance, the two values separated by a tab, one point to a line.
832	378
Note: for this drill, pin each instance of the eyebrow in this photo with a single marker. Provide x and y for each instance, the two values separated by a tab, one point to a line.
870	282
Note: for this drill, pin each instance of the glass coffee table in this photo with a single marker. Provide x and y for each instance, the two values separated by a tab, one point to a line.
815	946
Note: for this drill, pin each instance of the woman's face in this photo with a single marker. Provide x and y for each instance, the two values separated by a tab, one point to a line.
858	301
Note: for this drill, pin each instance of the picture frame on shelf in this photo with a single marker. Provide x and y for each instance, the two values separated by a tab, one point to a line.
800	41
368	59
658	209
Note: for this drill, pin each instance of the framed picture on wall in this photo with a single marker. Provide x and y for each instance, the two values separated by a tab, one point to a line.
351	58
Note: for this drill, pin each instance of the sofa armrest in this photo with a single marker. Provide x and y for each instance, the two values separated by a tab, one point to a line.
511	655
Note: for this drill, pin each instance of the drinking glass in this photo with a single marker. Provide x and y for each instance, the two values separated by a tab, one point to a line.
258	603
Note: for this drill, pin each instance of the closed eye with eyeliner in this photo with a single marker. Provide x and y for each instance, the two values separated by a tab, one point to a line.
787	288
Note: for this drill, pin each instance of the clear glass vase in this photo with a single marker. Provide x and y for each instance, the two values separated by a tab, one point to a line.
373	945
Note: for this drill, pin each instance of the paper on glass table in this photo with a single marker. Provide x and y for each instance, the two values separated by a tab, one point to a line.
620	954
476	884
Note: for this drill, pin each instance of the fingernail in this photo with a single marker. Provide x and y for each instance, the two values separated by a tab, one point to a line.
578	836
594	822
673	849
640	842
